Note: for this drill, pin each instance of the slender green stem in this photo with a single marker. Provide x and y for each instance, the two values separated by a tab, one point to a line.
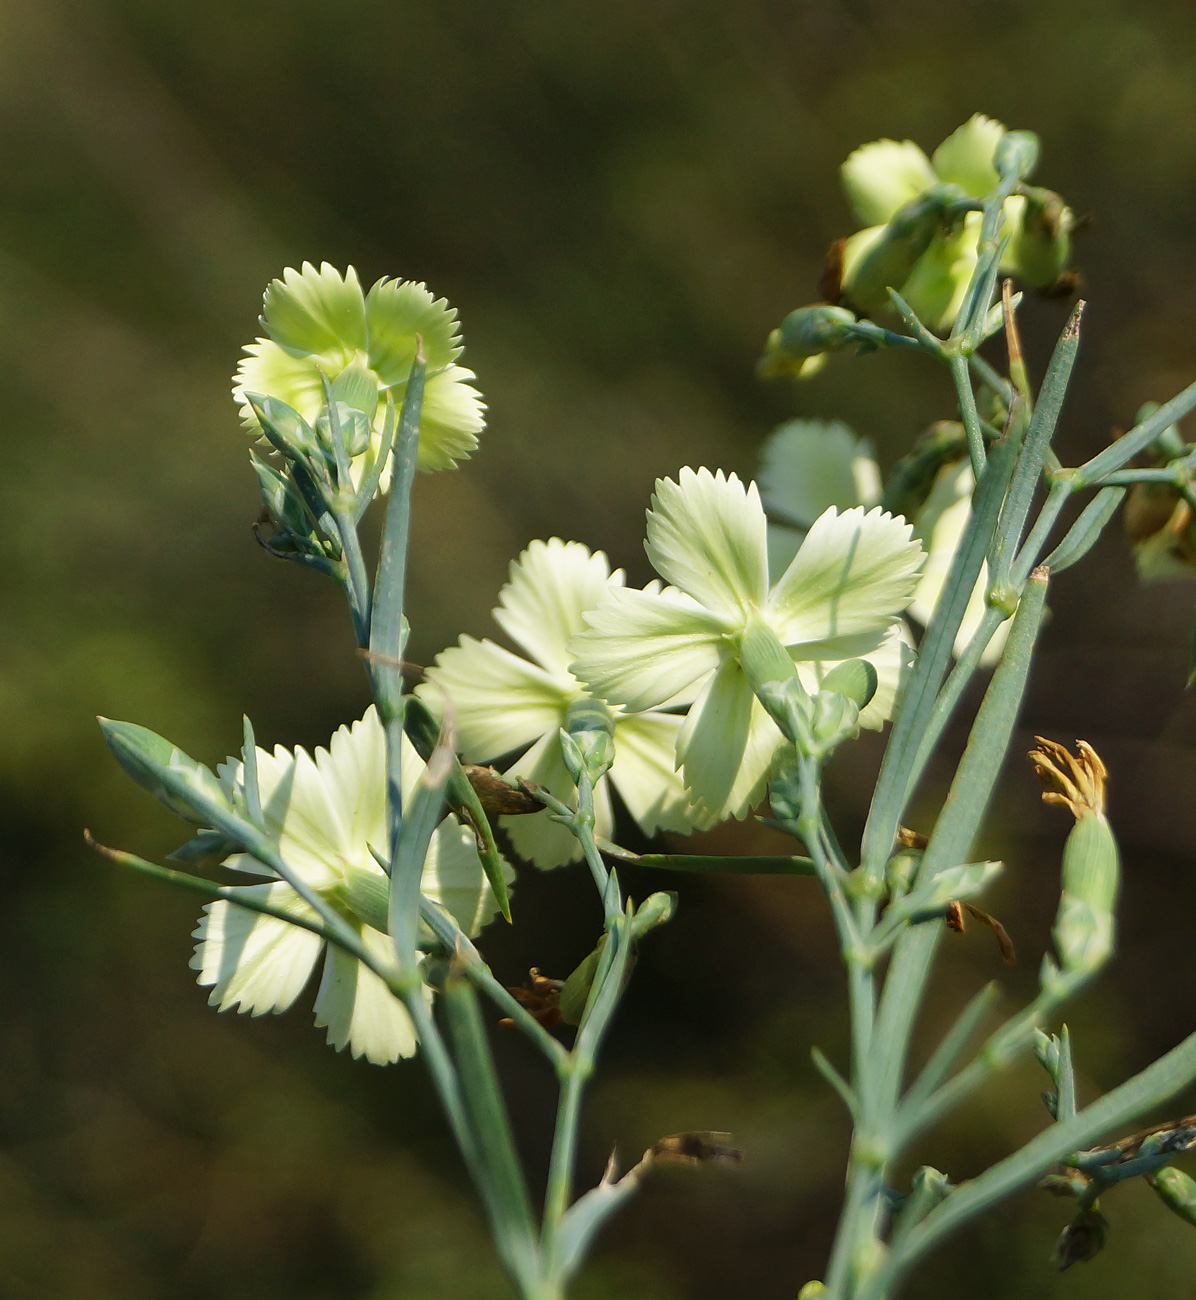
1083	534
386	631
573	1075
971	417
948	698
1138	439
501	1182
357	581
344	938
990	377
1057	497
949	1050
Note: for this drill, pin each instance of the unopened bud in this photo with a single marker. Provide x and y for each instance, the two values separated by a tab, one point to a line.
1040	250
855	678
186	787
887	260
655	910
803	337
1176	1190
588	739
1016	154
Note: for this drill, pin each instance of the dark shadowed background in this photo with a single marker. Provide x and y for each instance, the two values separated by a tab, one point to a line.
622	199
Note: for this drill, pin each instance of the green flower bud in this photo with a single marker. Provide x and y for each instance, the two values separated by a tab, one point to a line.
1176	1190
1040	249
886	260
1084	925
575	992
812	1291
591	732
1016	154
855	678
656	909
816	724
187	788
798	347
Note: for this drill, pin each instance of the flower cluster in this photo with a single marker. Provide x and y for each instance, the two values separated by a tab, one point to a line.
327	815
922	220
649	653
893	187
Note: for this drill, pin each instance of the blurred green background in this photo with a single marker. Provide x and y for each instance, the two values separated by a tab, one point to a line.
622	199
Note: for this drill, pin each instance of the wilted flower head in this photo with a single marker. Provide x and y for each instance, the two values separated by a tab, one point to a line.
839	599
319	324
326	814
501	703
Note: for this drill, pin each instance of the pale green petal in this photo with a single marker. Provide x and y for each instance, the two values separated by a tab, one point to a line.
314	839
267	368
300	817
706	536
939	281
644	648
537	838
726	747
354	771
357	1008
551	586
317	312
853	576
882	177
450	420
396	312
256	963
856	246
965	157
811	465
453	876
644	772
498	701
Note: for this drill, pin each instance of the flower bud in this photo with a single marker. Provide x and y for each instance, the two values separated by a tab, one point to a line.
1176	1190
1040	249
655	910
187	788
804	336
886	259
855	678
590	730
1016	154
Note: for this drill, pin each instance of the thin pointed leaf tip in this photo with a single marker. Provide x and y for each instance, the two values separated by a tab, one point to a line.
320	325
